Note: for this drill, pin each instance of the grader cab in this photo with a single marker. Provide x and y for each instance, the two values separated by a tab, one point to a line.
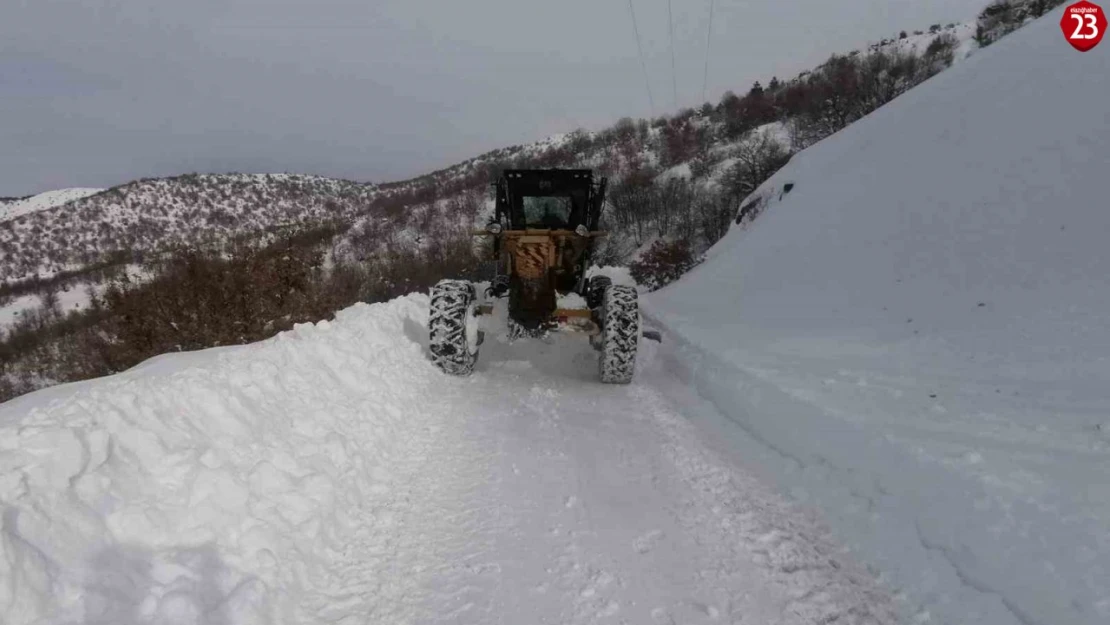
545	228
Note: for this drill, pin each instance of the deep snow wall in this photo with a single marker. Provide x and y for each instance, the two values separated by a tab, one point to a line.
221	486
913	338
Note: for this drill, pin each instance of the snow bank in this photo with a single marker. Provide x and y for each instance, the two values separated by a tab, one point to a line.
43	201
571	301
216	486
913	338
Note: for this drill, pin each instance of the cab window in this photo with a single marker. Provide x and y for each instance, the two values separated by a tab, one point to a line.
547	212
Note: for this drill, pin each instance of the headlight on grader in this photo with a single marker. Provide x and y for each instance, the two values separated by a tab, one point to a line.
582	230
493	228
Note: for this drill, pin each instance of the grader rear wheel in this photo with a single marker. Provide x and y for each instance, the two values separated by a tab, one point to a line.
620	334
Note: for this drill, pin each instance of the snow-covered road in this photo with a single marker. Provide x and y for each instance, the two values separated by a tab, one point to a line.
561	500
332	475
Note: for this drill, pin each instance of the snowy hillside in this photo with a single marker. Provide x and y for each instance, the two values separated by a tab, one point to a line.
913	336
918	42
42	201
158	214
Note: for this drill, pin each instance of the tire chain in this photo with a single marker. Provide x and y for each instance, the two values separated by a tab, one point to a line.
447	320
620	315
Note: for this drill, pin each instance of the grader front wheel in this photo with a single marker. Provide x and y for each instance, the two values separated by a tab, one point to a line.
453	327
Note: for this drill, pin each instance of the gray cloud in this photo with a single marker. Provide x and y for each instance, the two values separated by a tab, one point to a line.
98	92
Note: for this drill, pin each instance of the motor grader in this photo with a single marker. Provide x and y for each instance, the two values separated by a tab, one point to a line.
544	230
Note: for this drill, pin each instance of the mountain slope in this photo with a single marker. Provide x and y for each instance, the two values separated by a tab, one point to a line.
42	201
912	336
155	215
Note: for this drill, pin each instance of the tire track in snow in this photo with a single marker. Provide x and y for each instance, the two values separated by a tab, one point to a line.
752	522
561	499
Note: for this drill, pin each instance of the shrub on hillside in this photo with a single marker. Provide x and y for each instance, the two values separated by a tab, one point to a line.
201	301
757	159
1002	17
942	50
663	263
198	300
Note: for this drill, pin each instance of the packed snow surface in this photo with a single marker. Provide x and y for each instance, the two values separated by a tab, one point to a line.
43	201
333	475
571	301
915	337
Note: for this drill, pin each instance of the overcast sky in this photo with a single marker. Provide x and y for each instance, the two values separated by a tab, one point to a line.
99	92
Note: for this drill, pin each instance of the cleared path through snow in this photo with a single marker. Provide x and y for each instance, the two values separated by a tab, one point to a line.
332	475
556	499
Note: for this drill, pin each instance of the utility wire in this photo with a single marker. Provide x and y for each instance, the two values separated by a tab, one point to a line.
708	38
643	65
674	74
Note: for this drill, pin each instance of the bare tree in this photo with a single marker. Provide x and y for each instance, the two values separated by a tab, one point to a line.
758	157
715	212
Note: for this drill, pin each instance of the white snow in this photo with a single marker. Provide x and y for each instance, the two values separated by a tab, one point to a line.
681	170
333	475
914	339
963	33
43	201
15	308
619	275
571	301
774	132
73	296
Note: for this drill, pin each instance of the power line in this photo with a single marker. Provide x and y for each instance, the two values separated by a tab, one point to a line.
708	38
643	65
674	74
